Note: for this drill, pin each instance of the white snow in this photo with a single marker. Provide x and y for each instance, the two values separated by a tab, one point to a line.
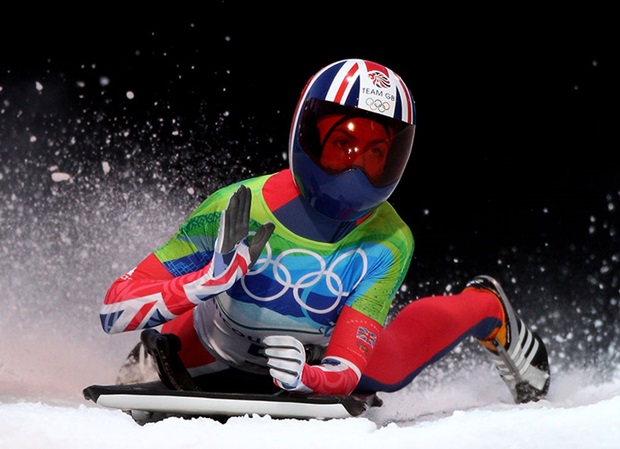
460	414
59	177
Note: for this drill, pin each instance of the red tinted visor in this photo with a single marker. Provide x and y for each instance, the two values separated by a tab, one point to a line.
340	138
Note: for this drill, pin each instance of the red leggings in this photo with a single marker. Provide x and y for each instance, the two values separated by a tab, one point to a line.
426	330
422	333
192	353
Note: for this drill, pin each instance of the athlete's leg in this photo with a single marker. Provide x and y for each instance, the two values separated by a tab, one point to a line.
193	354
426	330
140	366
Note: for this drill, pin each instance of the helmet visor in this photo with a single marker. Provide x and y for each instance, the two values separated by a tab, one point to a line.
340	138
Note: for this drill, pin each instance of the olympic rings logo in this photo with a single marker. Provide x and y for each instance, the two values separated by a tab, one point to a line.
377	105
301	287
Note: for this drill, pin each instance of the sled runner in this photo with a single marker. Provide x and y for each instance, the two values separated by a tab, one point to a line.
153	401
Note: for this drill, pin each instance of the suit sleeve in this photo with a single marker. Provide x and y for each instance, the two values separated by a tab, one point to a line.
346	357
149	295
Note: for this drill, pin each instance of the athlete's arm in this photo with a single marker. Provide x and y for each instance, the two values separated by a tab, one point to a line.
149	295
347	355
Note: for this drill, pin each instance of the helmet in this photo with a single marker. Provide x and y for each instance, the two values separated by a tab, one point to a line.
344	103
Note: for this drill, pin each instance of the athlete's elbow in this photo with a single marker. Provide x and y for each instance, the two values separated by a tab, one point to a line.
107	324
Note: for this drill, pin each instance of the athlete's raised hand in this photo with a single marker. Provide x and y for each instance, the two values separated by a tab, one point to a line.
234	226
259	241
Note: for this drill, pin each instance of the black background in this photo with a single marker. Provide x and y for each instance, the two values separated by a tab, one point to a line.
516	110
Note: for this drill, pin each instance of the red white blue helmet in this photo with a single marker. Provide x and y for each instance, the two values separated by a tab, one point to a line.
351	88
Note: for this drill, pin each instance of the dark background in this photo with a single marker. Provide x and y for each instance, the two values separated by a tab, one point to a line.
515	165
517	112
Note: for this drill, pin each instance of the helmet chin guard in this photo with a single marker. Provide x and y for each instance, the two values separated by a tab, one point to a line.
361	90
344	196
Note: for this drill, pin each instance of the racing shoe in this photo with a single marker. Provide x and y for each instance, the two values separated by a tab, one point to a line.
518	353
164	348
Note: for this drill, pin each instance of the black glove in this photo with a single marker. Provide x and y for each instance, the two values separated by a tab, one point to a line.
234	226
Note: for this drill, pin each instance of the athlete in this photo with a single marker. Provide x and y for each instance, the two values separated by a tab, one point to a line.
269	269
